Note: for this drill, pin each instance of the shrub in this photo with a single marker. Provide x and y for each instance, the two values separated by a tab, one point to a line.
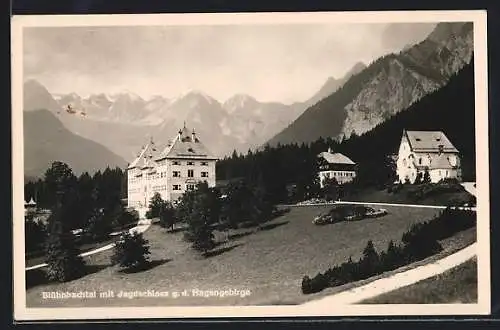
418	178
35	235
427	177
156	206
393	257
131	251
99	227
124	217
168	216
62	256
369	264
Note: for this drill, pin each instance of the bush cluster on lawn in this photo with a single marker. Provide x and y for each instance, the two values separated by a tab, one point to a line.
131	251
162	209
206	209
418	243
423	189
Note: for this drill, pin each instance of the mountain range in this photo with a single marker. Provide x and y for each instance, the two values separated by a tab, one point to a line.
387	86
124	122
363	98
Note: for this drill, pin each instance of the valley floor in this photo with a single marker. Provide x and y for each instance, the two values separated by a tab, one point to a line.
270	263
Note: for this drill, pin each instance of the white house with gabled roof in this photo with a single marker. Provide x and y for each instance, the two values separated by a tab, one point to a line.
335	165
431	151
169	171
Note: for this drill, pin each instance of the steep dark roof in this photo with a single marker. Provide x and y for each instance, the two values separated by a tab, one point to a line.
429	141
186	145
336	158
146	157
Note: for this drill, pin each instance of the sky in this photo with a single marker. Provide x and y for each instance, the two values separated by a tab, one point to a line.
282	63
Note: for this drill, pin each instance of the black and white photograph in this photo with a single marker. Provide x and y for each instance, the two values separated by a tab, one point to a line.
250	164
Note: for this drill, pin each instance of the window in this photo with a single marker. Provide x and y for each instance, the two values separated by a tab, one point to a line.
190	163
204	174
204	163
175	162
176	174
190	173
190	187
176	187
420	161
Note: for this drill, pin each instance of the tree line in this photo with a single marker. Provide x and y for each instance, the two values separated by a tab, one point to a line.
205	209
90	203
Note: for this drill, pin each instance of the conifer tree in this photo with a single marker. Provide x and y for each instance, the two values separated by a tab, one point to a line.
62	255
418	178
200	210
427	177
370	263
156	206
168	217
131	251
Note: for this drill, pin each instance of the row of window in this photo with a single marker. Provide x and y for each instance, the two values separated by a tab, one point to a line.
189	163
190	174
339	174
178	187
161	187
177	162
175	187
175	174
421	161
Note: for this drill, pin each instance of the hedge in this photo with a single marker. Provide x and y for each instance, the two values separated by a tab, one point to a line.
418	243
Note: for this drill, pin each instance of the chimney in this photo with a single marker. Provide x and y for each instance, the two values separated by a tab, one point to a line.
193	136
330	150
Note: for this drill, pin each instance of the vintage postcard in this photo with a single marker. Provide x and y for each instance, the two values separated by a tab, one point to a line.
250	165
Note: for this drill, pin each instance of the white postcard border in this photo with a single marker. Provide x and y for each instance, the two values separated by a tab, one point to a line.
478	17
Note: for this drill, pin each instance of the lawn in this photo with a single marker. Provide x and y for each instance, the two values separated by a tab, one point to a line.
270	263
458	285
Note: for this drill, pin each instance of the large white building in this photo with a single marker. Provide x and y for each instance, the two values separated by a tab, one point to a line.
170	171
430	151
335	165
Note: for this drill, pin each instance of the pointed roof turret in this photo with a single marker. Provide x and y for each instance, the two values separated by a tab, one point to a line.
186	145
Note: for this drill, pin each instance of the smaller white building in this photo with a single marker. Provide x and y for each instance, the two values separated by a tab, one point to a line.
335	165
430	151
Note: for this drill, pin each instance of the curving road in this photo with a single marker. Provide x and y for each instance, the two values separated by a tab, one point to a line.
140	228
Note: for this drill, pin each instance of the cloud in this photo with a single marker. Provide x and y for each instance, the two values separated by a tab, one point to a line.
269	62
